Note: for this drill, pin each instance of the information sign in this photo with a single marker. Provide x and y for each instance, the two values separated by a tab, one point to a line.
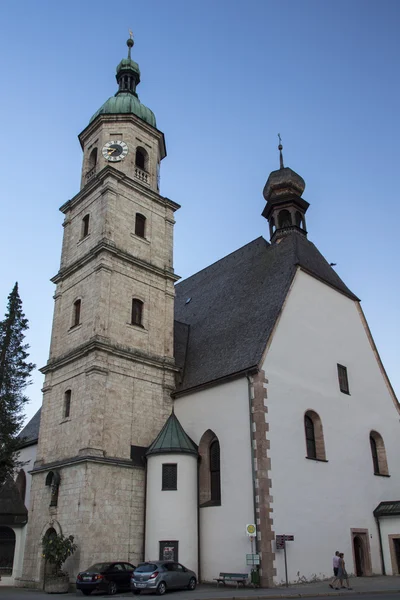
251	530
252	559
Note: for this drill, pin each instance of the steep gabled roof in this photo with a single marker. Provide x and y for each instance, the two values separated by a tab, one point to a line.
172	438
30	433
231	307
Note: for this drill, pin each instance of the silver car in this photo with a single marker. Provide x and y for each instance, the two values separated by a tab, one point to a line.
160	576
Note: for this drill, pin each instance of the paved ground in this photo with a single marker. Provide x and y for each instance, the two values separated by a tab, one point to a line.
377	588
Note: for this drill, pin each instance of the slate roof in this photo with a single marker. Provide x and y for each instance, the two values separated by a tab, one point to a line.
30	433
12	508
234	304
172	438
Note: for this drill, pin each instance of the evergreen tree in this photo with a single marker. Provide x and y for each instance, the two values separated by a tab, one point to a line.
14	377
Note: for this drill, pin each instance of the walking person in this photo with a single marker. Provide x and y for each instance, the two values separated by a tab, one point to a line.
342	574
335	562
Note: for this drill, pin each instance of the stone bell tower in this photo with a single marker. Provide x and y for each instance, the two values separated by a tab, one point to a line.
111	368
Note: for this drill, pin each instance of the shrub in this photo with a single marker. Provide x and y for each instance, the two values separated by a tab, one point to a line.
57	548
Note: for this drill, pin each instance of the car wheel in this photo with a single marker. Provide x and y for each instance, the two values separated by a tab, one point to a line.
162	588
192	584
112	588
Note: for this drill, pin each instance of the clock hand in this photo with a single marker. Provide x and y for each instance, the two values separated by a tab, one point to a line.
111	150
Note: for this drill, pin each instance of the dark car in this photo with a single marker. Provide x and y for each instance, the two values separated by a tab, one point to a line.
105	576
160	576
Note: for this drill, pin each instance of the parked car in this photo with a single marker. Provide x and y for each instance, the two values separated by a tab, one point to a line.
106	576
161	576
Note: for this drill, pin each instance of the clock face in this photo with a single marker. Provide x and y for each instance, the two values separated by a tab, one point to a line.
114	151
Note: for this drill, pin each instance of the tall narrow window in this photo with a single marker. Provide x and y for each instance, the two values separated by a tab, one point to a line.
343	380
170	477
141	158
77	313
310	437
20	482
67	404
137	312
140	225
315	445
93	158
215	472
85	225
378	454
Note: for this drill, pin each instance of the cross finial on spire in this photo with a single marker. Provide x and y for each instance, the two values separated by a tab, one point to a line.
130	42
280	148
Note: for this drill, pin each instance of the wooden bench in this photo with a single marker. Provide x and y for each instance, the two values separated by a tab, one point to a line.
236	577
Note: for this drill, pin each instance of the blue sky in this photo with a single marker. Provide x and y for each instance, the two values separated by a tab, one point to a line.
223	78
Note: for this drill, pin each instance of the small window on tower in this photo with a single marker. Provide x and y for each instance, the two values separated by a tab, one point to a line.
67	404
169	477
343	380
141	159
77	313
85	226
137	312
140	225
93	158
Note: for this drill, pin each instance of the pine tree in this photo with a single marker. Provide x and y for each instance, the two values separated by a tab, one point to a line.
14	377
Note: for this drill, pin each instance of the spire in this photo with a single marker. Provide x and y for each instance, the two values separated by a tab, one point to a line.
128	72
280	148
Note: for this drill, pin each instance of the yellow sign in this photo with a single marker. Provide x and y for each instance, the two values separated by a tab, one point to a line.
251	530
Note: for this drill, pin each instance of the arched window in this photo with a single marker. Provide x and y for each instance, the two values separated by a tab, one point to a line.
67	403
85	226
76	318
137	312
215	473
141	158
210	470
314	434
7	550
53	480
93	158
378	453
140	225
272	226
20	483
299	219
284	218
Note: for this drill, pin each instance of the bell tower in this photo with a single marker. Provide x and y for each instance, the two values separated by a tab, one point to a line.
110	373
285	209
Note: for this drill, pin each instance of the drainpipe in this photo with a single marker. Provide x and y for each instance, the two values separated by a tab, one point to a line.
198	522
253	472
145	511
380	546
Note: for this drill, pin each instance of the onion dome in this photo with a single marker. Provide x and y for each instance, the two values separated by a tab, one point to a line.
283	181
126	100
172	438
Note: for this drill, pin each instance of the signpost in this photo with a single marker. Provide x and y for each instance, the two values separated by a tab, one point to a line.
280	542
253	559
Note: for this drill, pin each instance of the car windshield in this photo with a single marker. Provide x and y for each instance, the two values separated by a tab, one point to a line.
146	568
98	567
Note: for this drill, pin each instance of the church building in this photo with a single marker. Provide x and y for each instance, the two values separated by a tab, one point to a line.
176	416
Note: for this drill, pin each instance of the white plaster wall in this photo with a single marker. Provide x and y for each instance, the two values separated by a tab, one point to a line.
225	410
389	526
172	514
320	502
27	456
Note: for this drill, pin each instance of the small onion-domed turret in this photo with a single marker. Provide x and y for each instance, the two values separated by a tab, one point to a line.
285	209
171	496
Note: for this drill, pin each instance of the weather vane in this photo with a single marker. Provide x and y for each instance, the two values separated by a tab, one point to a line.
131	34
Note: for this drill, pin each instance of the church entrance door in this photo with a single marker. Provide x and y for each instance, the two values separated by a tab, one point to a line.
359	556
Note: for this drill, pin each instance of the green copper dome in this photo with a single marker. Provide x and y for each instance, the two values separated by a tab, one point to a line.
126	101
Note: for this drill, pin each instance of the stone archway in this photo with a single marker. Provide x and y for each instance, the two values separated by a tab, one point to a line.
7	551
43	570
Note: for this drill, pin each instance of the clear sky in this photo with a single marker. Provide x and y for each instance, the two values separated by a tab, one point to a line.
223	78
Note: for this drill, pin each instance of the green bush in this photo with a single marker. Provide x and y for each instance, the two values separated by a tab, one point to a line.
57	548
